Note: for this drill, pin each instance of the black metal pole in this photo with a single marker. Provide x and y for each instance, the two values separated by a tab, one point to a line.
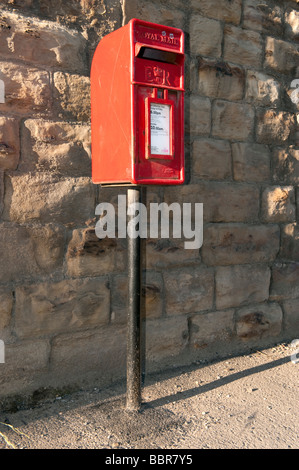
133	398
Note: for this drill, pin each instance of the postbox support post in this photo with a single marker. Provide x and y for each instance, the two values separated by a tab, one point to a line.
133	397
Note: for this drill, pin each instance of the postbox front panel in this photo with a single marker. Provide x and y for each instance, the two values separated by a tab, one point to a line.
158	78
159	151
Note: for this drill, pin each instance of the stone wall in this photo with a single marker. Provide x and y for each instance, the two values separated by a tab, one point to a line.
62	290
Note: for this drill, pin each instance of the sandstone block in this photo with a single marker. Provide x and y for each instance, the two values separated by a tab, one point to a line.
242	46
45	198
189	290
160	14
9	143
226	244
42	42
25	362
152	294
89	355
47	308
218	79
292	24
27	89
211	159
213	327
166	337
262	89
232	121
222	202
169	252
291	308
29	252
119	299
58	147
87	255
274	127
281	56
225	10
1	191
259	321
278	204
263	16
191	73
286	165
5	33
6	304
285	281
49	243
251	162
72	95
200	115
205	36
241	285
151	300
75	13
289	249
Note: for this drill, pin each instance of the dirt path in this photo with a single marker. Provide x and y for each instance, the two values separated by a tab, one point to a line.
245	402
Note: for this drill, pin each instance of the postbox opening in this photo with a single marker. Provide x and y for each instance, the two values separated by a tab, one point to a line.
159	55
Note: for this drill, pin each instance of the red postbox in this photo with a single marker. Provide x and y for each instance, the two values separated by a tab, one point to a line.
137	106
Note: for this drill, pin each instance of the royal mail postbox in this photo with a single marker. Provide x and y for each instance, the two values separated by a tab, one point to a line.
137	106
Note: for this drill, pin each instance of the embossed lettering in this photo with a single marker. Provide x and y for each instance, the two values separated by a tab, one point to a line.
157	75
160	38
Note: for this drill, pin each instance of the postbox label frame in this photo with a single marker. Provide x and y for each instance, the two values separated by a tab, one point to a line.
164	102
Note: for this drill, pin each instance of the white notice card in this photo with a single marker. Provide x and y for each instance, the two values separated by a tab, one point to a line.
160	129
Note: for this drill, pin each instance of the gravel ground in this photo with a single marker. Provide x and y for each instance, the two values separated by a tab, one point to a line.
244	402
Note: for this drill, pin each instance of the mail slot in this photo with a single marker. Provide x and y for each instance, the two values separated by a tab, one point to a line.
137	106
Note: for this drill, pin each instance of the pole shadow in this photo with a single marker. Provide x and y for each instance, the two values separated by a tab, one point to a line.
215	384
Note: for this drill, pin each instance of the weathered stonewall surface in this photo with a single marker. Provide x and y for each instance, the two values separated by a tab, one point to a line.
63	291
